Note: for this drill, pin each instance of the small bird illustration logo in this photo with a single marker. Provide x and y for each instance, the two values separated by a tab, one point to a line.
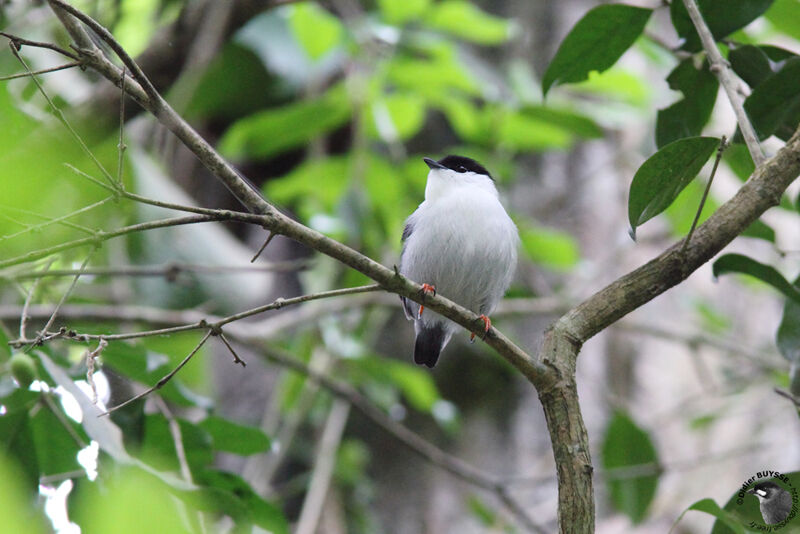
774	501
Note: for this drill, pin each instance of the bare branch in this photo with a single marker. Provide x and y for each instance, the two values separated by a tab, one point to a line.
161	383
722	70
41	71
18	42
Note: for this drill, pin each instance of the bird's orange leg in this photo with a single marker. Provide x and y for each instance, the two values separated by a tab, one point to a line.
487	323
427	289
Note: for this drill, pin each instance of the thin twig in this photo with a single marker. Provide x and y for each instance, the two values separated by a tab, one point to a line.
202	323
121	145
56	220
161	383
41	71
61	117
221	215
169	270
722	70
723	144
266	242
19	42
794	399
24	317
236	358
325	460
67	293
91	358
404	435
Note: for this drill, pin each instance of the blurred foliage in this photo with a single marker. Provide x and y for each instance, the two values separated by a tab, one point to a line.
334	111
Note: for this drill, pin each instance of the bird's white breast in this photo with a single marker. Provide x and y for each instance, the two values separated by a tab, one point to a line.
463	242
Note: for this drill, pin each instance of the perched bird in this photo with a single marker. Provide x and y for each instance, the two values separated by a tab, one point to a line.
774	501
460	243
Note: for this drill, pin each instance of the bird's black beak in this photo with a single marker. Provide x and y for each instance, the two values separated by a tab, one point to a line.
433	164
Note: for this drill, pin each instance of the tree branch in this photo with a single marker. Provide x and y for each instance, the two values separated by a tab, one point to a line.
722	70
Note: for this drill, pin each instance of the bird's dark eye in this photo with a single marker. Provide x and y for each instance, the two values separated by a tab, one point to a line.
461	168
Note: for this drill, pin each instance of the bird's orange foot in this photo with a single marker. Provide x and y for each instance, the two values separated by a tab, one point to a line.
487	324
427	289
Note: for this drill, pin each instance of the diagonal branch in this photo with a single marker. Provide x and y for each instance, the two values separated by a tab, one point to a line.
722	70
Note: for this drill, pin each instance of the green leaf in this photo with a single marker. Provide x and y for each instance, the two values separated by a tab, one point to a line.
709	506
788	335
738	263
19	514
723	17
465	20
774	105
571	121
688	116
401	11
16	442
595	43
664	175
272	131
397	116
517	130
56	448
235	438
626	444
750	63
759	230
434	71
235	83
232	495
739	160
784	15
316	30
417	386
553	249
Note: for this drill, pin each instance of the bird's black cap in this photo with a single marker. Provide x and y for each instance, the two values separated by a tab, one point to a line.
458	164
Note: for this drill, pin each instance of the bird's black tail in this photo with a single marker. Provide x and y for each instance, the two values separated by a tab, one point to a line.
430	341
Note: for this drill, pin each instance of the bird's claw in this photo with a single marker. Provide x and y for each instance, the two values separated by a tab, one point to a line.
426	290
487	323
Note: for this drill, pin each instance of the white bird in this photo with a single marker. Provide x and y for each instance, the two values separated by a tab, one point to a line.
459	243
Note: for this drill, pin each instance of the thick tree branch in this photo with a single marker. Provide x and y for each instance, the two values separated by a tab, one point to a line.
722	70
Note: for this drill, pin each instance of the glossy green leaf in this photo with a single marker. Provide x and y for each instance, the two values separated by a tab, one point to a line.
235	438
664	175
682	211
784	15
738	263
402	11
774	105
595	43
723	17
271	131
688	116
465	20
754	64
788	336
626	444
709	506
316	30
549	248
